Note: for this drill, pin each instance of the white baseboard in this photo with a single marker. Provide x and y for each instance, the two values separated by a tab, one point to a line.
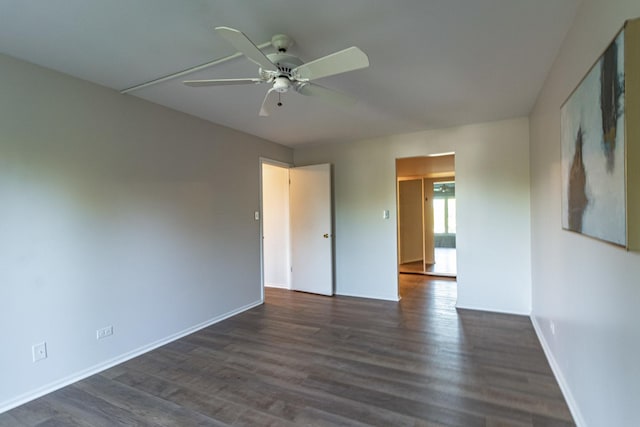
494	310
276	285
564	387
391	298
55	385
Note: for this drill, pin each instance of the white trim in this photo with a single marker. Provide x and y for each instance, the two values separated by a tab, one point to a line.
450	153
275	162
356	295
277	285
557	372
58	384
494	310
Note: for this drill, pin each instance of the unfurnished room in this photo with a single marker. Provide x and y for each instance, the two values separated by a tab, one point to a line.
340	212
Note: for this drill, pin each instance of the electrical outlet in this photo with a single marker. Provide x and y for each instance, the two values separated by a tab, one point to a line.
104	332
552	326
39	351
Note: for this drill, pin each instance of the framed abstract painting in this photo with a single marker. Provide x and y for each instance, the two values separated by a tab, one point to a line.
600	134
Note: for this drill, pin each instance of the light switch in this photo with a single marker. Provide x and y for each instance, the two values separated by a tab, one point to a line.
256	215
385	214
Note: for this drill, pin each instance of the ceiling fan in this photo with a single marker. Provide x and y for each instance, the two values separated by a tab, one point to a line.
284	71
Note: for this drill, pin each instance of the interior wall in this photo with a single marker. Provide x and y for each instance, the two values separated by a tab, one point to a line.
492	192
587	289
275	226
410	223
115	211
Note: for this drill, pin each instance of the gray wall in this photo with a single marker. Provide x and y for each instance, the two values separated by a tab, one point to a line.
115	211
588	289
492	197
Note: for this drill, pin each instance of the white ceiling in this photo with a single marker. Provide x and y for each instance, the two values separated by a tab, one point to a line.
434	63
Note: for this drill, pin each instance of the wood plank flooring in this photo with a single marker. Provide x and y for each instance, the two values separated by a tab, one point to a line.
303	359
445	264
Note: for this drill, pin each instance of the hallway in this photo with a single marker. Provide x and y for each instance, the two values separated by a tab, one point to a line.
445	265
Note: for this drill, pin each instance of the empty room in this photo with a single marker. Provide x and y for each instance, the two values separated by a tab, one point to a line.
200	213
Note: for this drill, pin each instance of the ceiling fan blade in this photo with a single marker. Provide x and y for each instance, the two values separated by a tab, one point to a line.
311	89
268	101
242	43
221	82
336	63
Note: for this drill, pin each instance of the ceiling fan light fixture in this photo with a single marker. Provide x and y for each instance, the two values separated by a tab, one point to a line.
281	84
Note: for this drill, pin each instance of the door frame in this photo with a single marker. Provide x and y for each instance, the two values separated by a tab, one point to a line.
434	176
262	161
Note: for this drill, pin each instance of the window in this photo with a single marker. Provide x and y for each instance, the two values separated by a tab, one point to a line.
451	216
439	222
444	208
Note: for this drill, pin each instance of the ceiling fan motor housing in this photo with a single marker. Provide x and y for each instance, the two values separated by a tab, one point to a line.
285	62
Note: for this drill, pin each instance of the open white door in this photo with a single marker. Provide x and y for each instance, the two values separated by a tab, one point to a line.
311	229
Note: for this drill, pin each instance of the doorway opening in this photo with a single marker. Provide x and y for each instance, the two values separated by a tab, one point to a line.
426	206
296	227
444	229
275	230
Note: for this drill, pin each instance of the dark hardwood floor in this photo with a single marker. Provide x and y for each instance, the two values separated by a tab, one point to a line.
303	359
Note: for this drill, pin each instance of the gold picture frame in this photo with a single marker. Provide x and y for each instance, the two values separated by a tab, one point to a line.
600	137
